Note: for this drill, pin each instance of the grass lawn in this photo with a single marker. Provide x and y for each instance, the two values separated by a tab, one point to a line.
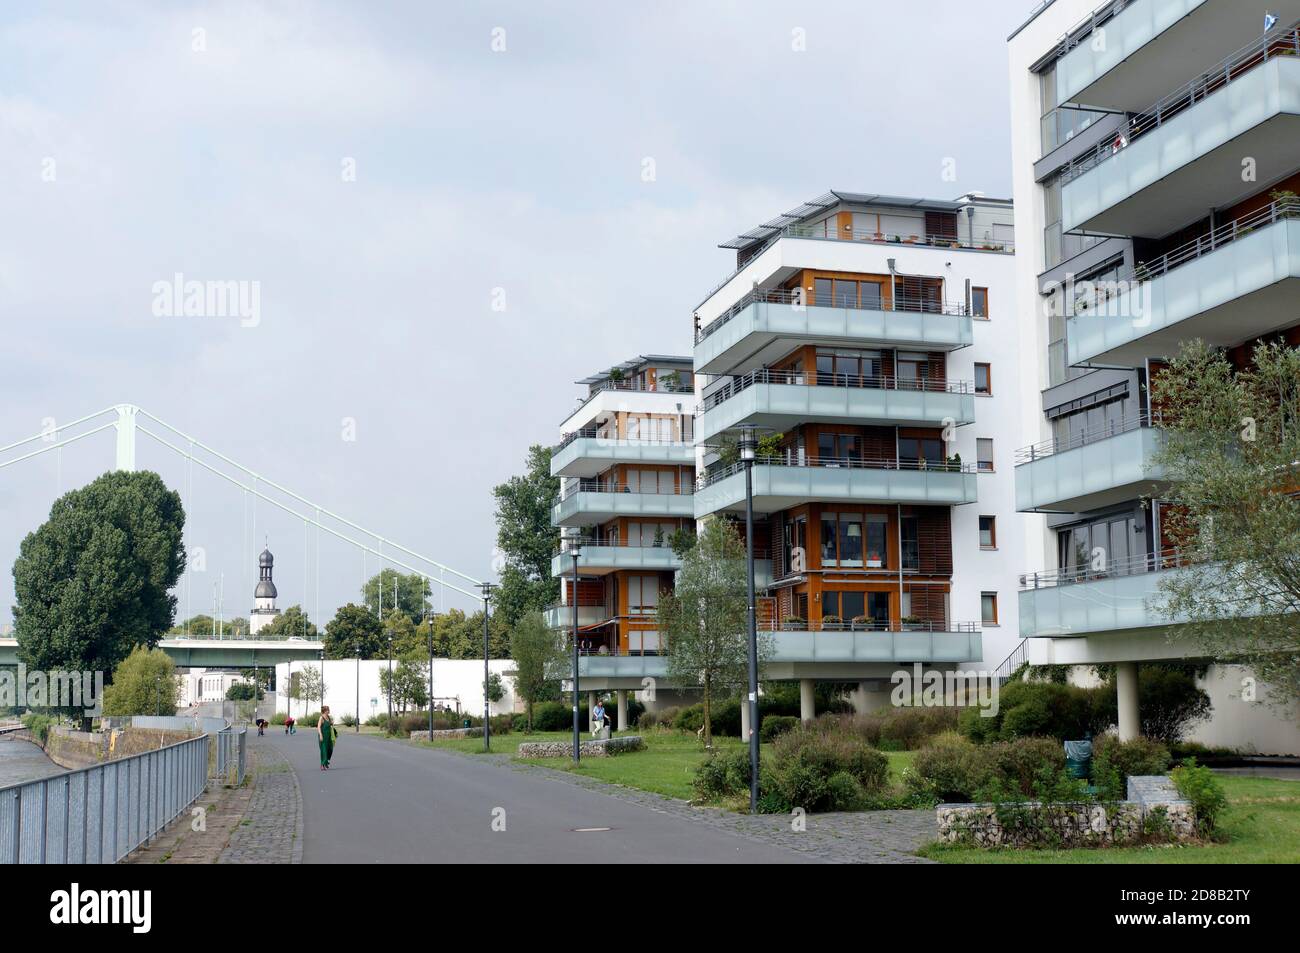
666	767
1262	824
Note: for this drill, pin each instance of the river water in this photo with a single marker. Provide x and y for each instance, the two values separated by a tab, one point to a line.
23	761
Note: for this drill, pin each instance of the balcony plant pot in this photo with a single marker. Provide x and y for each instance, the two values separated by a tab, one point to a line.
879	236
793	623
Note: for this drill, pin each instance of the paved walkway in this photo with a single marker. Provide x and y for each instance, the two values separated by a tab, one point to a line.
271	829
387	802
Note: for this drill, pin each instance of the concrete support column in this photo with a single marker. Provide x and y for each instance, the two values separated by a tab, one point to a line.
807	710
591	706
744	719
1126	688
621	695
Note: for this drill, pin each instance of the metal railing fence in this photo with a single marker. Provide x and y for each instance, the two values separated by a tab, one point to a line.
98	815
728	387
231	756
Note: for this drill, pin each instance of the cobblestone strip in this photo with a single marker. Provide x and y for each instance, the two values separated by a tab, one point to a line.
271	830
864	837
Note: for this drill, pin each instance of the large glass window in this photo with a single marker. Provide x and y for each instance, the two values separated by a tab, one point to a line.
642	595
915	450
911	539
854	540
835	449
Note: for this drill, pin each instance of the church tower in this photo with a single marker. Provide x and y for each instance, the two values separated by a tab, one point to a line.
264	609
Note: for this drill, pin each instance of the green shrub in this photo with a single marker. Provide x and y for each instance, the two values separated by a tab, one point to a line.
775	725
348	721
805	760
950	768
689	719
38	724
723	774
309	721
907	729
1115	761
725	717
1042	709
659	718
1026	767
1169	702
278	718
635	709
1198	784
552	716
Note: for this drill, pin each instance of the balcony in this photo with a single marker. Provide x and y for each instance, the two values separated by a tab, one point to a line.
1091	602
598	501
561	616
595	559
609	397
586	453
819	651
1090	470
764	325
777	400
1184	154
1147	41
779	485
1236	283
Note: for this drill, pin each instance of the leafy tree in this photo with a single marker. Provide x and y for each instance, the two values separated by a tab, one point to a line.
199	626
458	636
292	623
308	685
410	591
409	683
243	691
526	539
144	683
538	654
493	688
1231	439
705	620
354	627
92	582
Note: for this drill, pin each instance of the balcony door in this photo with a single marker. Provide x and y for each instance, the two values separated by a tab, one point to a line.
913	370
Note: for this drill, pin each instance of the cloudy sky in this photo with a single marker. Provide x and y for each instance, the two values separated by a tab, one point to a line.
383	174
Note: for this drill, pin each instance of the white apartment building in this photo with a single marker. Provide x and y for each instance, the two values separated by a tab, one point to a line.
1149	139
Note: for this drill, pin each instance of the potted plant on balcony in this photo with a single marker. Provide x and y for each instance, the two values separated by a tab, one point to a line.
953	463
793	623
659	538
832	623
670	381
616	375
1287	201
863	623
911	240
911	623
879	236
894	239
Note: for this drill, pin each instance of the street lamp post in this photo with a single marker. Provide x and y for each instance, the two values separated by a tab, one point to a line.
487	588
358	725
428	615
320	657
575	550
748	451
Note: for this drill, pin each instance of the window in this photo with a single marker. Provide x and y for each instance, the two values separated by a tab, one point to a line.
911	536
984	454
913	370
979	302
642	595
852	540
983	379
989	608
915	450
873	607
834	449
988	532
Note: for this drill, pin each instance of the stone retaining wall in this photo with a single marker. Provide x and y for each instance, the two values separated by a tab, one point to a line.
447	733
81	749
1153	810
588	748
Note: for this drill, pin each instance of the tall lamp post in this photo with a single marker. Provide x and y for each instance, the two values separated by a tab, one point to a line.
320	657
487	588
358	725
748	451
575	550
428	616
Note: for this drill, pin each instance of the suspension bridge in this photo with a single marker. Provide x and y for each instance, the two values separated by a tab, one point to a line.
214	650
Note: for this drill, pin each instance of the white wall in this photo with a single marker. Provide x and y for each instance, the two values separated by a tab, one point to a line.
453	679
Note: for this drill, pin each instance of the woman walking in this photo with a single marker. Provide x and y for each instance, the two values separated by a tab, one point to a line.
325	732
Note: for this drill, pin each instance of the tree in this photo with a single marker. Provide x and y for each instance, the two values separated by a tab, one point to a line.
243	691
538	654
705	620
292	623
493	688
202	626
92	582
526	540
458	636
144	683
354	628
1230	444
409	682
410	592
308	685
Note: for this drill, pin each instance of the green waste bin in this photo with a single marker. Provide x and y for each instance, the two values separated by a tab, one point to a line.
1078	758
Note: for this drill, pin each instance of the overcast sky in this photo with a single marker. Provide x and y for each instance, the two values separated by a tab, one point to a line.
383	173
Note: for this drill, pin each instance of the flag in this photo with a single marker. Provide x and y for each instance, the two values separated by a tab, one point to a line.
1270	21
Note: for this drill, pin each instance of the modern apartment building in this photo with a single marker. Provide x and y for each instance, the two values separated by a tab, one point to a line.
871	341
626	460
1156	153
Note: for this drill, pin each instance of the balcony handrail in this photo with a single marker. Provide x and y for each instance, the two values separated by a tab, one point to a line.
1191	250
728	387
602	486
1084	28
595	433
1255	53
1047	448
848	625
922	304
717	473
600	542
919	239
1168	558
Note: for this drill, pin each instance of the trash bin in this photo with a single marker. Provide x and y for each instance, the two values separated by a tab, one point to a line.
465	723
1078	758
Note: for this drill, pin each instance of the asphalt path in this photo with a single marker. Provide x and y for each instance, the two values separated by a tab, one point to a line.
384	802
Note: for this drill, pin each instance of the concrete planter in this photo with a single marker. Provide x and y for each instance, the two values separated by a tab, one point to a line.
447	733
588	748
